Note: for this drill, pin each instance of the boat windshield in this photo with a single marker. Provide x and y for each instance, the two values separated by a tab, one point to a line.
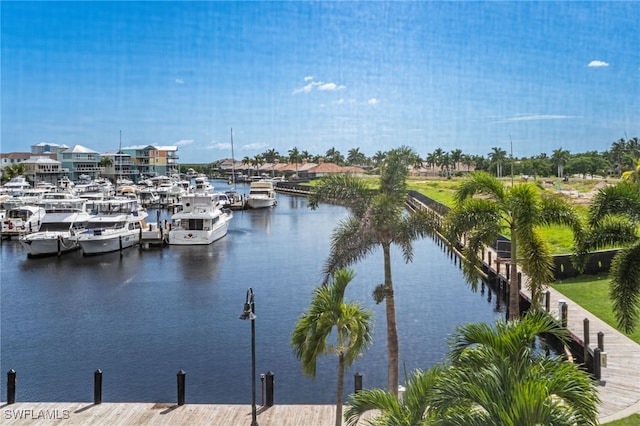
99	225
54	227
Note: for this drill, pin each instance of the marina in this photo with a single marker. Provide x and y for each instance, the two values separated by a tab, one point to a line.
143	314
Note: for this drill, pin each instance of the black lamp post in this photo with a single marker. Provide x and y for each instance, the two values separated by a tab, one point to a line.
249	314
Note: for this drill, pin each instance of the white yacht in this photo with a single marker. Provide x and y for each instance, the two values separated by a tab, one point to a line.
65	216
201	221
15	185
114	225
21	219
262	194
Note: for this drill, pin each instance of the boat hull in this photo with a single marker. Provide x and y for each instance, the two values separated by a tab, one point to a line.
49	243
186	237
97	244
260	203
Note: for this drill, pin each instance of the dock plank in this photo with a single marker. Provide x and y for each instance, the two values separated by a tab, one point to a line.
73	413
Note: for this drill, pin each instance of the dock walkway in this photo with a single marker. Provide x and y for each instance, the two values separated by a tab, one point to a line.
110	414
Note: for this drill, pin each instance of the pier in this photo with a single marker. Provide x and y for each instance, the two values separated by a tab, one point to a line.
108	414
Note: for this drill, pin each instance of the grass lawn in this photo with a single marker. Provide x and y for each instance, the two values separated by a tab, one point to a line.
633	420
592	293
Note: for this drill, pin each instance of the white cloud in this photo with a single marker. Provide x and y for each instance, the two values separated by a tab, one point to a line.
319	85
254	146
597	64
220	146
373	101
535	117
179	81
184	142
330	86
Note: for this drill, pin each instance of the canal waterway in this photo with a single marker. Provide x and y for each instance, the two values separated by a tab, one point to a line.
144	315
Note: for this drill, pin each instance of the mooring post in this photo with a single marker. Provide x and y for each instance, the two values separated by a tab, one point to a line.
269	379
547	301
519	280
357	380
508	270
585	340
11	386
596	363
601	340
97	387
564	313
181	386
489	256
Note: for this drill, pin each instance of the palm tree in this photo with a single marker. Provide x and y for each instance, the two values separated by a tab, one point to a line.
378	158
411	410
497	377
294	157
497	157
614	216
519	209
256	162
376	219
493	375
560	157
328	311
13	170
456	157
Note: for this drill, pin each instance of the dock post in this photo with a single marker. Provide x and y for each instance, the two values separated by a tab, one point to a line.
181	386
269	378
508	270
547	301
11	386
563	311
519	280
489	261
357	381
97	387
585	340
601	340
596	363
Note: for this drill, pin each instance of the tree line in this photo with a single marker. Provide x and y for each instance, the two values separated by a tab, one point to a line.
622	156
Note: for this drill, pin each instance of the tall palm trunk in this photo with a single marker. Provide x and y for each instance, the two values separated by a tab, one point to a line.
340	389
392	329
514	291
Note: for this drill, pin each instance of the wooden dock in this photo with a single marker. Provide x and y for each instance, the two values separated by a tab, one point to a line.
110	414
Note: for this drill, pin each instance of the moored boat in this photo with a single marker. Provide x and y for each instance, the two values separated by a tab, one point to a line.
64	218
114	225
262	194
201	221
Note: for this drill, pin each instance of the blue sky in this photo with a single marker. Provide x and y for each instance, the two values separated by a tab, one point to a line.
320	75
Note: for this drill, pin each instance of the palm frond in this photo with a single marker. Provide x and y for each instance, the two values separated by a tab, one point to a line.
625	287
345	189
480	183
622	198
351	241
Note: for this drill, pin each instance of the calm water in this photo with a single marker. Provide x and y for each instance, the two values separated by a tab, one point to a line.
143	316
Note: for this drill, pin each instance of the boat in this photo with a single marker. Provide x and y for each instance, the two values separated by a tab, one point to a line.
114	225
21	219
15	186
262	194
201	221
65	216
